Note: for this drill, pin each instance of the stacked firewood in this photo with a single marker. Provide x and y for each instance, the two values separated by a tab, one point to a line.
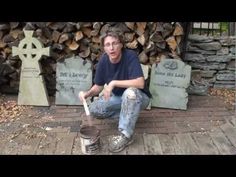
153	41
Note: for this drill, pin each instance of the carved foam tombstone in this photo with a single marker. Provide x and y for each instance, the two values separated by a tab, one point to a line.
145	69
73	75
32	90
168	83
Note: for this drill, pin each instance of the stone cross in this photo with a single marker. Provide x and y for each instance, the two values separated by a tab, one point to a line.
32	89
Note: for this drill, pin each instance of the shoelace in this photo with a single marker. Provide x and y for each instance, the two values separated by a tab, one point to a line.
117	139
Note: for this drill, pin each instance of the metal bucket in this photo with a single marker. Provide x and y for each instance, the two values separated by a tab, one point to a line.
90	140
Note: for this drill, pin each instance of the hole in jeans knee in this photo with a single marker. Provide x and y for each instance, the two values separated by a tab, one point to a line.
131	94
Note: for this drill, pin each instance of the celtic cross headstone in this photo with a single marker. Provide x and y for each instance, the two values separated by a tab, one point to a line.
32	90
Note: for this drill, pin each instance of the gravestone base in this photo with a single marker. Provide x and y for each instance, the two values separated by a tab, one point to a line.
27	94
170	98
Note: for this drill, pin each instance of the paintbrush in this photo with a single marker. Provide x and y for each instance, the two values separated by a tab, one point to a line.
86	108
87	112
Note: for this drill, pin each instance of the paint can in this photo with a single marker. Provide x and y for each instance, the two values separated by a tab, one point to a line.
90	139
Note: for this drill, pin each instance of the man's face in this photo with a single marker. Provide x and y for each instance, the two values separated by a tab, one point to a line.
112	47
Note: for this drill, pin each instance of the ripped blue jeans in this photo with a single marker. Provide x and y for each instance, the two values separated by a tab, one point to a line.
127	107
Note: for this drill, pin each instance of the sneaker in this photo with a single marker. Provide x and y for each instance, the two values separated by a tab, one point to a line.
119	142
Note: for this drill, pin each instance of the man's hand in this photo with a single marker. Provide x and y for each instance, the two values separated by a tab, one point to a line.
108	89
82	96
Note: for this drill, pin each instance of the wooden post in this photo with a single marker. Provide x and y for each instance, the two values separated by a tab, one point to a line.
232	28
187	26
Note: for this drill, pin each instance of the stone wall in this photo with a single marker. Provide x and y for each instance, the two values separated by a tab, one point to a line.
213	58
